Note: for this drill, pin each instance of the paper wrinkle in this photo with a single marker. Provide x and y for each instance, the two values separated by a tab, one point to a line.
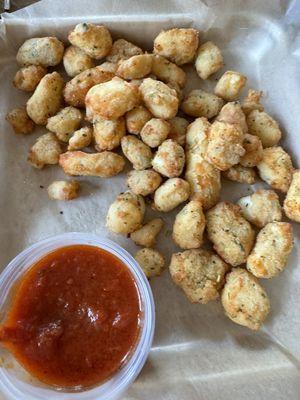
197	351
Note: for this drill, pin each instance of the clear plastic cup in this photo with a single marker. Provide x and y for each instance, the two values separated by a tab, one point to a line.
16	383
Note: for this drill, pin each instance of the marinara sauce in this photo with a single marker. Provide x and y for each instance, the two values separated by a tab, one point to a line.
74	317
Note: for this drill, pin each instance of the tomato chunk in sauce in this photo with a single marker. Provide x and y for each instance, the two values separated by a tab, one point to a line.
74	317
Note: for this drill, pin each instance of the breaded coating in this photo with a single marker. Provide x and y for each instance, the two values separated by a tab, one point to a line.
136	119
105	164
80	138
45	151
27	78
167	71
169	159
189	226
155	131
65	122
178	130
122	50
199	273
108	67
151	262
254	151
143	182
170	194
111	99
265	127
179	45
146	235
45	51
209	60
224	147
291	203
231	234
261	207
252	102
233	114
197	136
199	103
137	152
159	98
63	190
272	248
76	61
178	90
46	99
135	67
20	121
229	85
77	88
241	174
94	40
244	300
204	180
276	168
108	133
126	213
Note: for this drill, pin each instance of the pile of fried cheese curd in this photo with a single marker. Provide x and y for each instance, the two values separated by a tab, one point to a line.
119	96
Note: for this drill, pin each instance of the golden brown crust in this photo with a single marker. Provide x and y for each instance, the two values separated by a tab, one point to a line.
76	61
146	235
199	103
108	133
265	127
45	151
77	88
80	138
169	159
122	50
64	123
105	164
199	273
63	190
135	67
272	248
45	51
151	262
137	152
155	131
231	234
241	174
126	213
253	151
179	45
143	182
261	207
111	99
224	147
167	71
244	300
46	99
292	201
159	98
20	121
27	78
189	226
276	168
94	40
209	60
230	84
170	194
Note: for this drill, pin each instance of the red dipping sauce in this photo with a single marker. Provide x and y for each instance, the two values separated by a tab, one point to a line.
74	318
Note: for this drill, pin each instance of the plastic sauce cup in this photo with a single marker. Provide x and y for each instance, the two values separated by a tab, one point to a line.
16	383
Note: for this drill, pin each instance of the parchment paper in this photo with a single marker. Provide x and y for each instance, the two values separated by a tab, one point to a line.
197	352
